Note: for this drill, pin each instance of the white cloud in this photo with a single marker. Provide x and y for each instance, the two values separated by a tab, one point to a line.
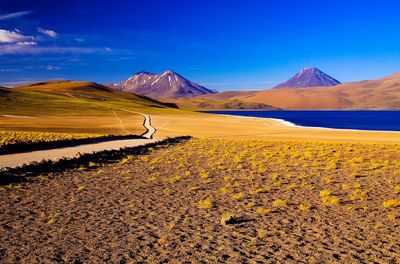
26	43
13	42
15	15
7	36
80	39
47	32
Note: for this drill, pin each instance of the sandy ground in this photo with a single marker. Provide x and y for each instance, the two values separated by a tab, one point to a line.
219	126
114	123
167	206
222	198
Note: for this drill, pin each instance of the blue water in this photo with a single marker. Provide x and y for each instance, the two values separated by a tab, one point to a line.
364	120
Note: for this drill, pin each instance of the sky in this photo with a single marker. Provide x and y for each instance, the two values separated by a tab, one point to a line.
223	45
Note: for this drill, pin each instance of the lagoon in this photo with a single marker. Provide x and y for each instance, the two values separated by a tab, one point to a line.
384	120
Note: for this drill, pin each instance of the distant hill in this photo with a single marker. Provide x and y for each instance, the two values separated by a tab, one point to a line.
309	77
382	93
200	103
70	98
165	85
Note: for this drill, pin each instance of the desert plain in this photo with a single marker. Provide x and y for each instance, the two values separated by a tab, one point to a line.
240	190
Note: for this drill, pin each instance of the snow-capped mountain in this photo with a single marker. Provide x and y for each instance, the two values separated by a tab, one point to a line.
165	85
309	77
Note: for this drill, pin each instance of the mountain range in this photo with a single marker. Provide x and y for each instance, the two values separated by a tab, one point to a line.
168	84
383	93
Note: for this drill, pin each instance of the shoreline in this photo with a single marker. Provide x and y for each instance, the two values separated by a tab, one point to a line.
290	124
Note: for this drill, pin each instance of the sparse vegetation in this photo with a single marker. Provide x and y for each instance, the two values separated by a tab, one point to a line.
192	194
391	203
263	211
14	137
304	207
205	204
279	203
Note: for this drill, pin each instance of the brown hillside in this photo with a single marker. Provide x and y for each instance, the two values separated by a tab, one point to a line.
197	103
88	91
382	93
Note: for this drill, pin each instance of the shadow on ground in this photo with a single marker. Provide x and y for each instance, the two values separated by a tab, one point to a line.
22	174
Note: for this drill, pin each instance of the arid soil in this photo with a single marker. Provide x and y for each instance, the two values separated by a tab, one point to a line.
212	200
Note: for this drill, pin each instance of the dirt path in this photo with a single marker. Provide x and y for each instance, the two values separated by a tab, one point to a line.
72	96
150	130
14	160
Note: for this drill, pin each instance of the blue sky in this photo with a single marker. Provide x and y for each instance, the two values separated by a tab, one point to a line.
226	45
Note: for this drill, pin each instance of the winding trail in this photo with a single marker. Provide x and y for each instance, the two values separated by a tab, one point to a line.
18	159
150	130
